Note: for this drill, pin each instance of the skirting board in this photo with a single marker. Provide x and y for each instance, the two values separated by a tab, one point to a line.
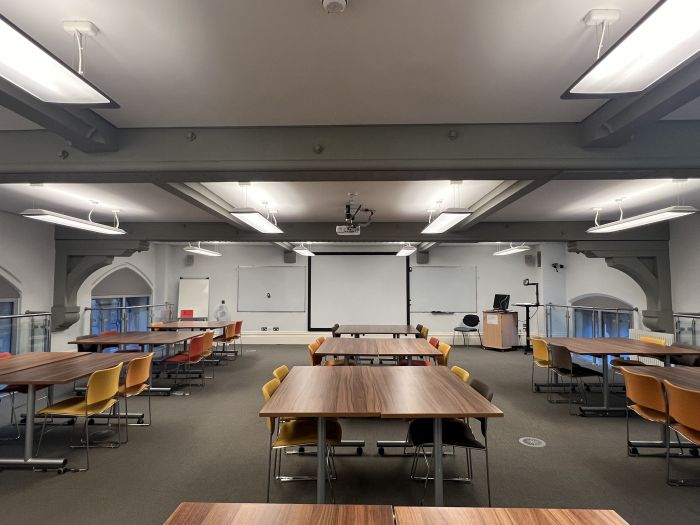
304	338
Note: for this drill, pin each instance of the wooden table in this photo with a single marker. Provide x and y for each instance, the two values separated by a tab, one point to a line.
275	513
191	325
141	339
367	347
376	329
401	392
683	376
603	347
49	369
490	516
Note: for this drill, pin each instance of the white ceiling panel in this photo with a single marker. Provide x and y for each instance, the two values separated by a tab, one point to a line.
325	201
137	202
281	62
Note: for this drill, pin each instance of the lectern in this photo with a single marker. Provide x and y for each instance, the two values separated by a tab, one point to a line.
500	329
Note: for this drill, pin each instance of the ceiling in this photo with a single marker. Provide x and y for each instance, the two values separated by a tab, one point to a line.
247	63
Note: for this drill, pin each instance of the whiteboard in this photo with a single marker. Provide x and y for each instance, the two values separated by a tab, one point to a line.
193	294
443	288
271	288
357	289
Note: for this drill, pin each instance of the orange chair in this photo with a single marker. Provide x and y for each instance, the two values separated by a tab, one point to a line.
229	336
317	360
208	351
238	336
434	341
194	355
645	395
684	420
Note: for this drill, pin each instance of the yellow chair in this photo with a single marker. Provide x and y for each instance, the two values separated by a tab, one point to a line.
623	361
445	349
100	395
684	420
653	340
424	332
460	372
296	433
137	381
281	372
320	340
645	395
540	359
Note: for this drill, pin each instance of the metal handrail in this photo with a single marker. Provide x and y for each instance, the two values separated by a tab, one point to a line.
18	316
130	307
599	309
687	316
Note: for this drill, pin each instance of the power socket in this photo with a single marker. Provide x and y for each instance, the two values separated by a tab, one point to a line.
275	328
263	328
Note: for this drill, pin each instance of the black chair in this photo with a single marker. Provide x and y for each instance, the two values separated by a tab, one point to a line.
419	327
470	324
334	328
565	368
455	433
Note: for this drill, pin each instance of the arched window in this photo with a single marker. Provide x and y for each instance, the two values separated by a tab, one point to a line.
600	315
9	303
114	299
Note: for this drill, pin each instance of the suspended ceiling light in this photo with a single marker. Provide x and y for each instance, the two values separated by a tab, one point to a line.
256	220
74	222
664	214
446	220
512	250
34	69
303	250
406	250
665	38
201	251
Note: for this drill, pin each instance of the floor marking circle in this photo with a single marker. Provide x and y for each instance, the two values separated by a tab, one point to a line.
532	442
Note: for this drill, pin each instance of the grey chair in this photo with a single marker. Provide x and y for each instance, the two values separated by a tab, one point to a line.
470	324
334	328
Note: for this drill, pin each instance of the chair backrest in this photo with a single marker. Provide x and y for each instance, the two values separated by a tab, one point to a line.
230	330
424	332
434	341
86	347
683	406
482	388
320	340
540	352
314	346
268	391
195	347
155	325
644	390
280	372
471	320
239	327
103	384
460	372
560	357
419	327
335	327
139	371
208	341
445	349
315	359
653	340
110	332
5	355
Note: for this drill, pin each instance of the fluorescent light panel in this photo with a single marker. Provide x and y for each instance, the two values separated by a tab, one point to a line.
303	250
665	38
446	220
202	251
32	68
665	214
256	220
405	251
71	222
512	250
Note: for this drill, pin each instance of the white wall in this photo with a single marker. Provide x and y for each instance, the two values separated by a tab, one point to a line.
27	260
685	264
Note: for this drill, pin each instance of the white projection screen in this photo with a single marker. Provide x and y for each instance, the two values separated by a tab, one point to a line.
357	289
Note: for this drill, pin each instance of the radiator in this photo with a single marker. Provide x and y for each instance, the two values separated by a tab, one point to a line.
636	334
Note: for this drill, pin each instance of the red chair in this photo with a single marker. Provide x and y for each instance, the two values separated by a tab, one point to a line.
237	336
194	355
434	341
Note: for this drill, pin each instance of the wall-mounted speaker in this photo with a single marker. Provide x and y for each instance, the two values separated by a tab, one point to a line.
422	257
534	259
290	257
189	260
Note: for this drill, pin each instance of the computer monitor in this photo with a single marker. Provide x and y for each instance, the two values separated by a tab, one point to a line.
501	301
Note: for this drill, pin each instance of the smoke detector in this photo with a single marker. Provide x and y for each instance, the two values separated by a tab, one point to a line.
334	6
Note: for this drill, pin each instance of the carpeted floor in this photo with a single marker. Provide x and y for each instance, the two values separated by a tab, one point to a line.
212	446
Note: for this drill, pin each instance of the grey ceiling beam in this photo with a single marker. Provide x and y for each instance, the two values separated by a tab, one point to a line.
80	128
201	197
617	122
346	153
378	232
501	196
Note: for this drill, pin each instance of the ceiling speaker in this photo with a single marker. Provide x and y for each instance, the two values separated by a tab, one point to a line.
189	260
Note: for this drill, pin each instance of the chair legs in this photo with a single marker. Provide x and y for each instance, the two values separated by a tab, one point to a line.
13	419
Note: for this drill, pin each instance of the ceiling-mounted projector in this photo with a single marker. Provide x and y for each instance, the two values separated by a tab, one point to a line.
334	6
348	229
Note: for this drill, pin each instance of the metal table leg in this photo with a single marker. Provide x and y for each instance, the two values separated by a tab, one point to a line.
29	461
437	460
605	408
321	457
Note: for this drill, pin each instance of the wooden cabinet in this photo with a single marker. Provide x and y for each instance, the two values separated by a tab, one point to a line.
500	329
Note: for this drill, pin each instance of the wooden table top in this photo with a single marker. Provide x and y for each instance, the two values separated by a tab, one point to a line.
33	359
384	392
377	347
61	371
276	513
599	346
191	325
376	329
137	338
683	376
493	516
